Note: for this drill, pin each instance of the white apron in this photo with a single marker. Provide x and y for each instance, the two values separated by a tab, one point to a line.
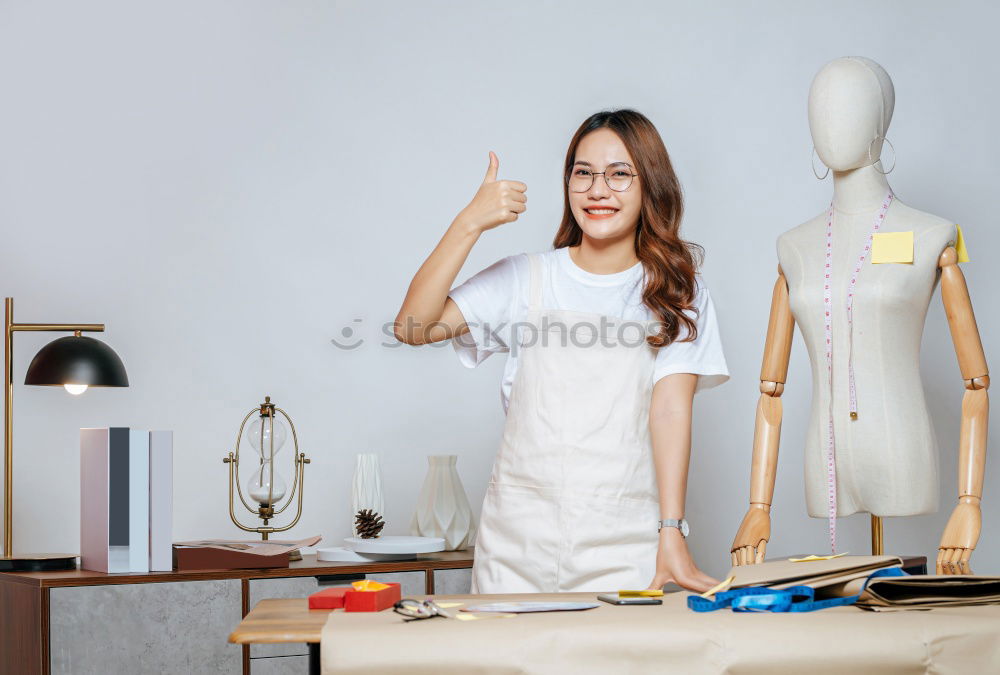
572	502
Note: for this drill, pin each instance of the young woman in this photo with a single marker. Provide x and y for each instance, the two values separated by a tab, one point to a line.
608	337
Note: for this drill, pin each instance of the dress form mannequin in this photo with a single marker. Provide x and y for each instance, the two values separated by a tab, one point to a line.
886	459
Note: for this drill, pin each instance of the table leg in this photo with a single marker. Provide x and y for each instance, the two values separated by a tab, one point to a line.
244	610
429	582
46	629
313	658
24	619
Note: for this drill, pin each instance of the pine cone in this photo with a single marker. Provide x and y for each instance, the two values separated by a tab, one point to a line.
368	524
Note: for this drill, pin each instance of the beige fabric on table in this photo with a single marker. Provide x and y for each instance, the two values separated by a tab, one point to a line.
572	503
815	573
664	638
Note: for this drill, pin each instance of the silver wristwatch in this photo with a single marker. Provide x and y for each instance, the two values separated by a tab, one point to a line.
681	525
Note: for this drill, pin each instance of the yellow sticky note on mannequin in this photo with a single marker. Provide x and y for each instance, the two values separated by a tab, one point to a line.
963	253
892	247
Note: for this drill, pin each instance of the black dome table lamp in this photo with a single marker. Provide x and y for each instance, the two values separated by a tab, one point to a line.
74	362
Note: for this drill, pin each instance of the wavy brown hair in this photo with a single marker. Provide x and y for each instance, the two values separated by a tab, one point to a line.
669	262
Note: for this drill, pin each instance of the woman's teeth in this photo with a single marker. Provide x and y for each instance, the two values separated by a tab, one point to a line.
599	212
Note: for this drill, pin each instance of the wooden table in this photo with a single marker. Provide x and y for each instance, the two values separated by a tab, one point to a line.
279	621
24	596
291	620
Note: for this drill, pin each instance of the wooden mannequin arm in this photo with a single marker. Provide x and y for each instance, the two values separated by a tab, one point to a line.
773	372
961	534
751	540
961	319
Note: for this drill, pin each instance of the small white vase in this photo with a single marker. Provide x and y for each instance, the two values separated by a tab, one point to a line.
366	492
443	508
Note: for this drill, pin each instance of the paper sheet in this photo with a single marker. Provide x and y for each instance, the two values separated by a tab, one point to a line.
892	247
963	253
254	546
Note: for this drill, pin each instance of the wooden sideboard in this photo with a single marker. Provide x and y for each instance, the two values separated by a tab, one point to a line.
79	621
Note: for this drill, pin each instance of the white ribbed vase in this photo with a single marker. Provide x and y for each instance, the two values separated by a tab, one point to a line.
443	508
366	492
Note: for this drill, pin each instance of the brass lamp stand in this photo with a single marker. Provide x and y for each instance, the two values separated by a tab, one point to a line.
266	499
75	362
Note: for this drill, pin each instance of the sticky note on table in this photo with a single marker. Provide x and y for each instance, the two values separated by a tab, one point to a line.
892	247
811	558
963	253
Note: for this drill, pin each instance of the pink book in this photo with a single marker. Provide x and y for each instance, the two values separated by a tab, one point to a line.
105	496
94	456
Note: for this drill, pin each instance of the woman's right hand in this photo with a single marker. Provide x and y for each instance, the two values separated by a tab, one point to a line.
497	201
674	564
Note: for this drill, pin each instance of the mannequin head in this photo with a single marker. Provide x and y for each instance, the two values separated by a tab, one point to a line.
850	107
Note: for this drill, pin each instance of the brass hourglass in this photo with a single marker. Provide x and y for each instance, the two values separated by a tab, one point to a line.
266	488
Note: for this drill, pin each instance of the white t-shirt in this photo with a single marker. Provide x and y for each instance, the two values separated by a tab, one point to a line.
495	299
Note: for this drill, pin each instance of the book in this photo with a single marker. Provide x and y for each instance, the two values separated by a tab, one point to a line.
205	558
138	501
117	500
104	500
234	554
161	496
94	500
114	500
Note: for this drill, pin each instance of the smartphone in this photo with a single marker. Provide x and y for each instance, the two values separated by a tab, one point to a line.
615	599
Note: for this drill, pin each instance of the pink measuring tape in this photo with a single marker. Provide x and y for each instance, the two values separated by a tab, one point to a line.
831	457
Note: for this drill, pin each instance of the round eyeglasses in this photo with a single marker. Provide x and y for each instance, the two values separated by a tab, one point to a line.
618	177
414	610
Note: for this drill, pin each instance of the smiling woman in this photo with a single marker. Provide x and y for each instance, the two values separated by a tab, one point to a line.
621	140
597	439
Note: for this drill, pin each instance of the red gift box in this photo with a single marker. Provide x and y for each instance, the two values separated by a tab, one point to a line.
330	598
372	601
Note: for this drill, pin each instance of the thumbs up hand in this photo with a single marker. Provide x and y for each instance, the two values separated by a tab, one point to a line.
496	202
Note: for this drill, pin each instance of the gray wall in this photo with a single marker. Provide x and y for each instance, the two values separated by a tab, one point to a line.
228	185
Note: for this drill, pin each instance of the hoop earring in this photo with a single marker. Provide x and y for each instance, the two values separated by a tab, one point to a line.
812	163
879	160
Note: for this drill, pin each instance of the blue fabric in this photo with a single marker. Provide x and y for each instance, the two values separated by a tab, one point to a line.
792	599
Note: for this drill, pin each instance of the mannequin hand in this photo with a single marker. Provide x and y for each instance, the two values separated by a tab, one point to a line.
960	537
674	564
496	202
751	539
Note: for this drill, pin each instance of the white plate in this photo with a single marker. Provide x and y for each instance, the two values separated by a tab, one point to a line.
341	554
396	545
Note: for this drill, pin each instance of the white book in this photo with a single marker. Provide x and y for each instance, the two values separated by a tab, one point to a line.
138	501
161	497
